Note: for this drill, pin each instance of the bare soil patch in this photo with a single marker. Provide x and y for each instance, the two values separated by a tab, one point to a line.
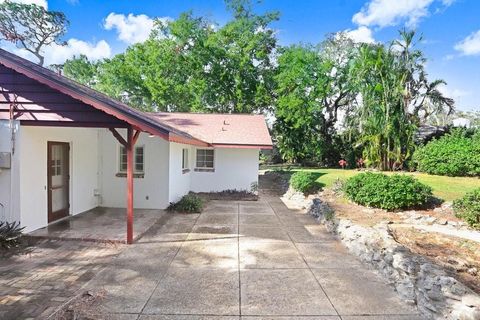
228	195
459	256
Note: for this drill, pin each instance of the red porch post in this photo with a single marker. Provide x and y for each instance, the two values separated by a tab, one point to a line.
129	147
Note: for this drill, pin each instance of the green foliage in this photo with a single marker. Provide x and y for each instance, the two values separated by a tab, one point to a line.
396	96
81	69
387	192
191	64
311	87
304	181
189	203
455	154
387	132
10	234
298	111
468	208
31	27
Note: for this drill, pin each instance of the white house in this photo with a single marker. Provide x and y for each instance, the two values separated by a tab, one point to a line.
65	149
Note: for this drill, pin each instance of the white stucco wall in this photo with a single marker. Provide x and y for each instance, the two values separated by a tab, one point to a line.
179	181
94	164
33	171
150	192
9	178
234	169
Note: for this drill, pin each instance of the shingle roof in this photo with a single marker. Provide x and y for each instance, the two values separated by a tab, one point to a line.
220	129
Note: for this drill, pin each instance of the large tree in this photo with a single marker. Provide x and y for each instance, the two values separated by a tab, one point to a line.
313	89
396	97
191	64
31	27
301	89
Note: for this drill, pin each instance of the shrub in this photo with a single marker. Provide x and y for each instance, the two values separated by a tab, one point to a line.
304	181
387	192
455	154
468	208
10	235
190	203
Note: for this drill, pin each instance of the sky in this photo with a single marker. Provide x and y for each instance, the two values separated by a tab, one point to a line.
450	29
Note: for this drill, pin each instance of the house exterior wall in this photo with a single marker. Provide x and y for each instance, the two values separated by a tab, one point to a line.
151	191
94	164
234	169
179	181
33	171
9	178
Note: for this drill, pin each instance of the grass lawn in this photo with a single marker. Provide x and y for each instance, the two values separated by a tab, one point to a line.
446	188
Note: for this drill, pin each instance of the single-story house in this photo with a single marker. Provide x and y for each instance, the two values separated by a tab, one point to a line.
65	149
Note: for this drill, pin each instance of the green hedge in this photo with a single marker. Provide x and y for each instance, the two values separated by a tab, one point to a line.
387	192
454	154
190	203
468	208
305	181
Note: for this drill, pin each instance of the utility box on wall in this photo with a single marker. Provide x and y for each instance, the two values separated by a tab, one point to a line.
5	160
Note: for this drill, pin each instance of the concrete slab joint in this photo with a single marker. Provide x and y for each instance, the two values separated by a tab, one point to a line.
418	281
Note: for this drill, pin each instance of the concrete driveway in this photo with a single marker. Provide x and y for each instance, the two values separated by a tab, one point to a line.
256	260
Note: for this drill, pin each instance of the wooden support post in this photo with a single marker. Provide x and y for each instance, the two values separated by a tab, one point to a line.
130	148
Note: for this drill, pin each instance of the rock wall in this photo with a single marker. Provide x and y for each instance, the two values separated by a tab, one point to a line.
419	281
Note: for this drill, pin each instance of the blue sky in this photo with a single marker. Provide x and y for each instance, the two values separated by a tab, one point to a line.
451	29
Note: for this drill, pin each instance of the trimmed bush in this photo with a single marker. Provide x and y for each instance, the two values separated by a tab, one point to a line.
393	192
189	203
455	154
468	208
304	181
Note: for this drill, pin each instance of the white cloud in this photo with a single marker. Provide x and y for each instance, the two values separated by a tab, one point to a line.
361	34
56	54
130	29
384	13
470	45
42	3
454	93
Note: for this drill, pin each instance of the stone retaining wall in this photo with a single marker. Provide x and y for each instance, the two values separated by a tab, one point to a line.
419	281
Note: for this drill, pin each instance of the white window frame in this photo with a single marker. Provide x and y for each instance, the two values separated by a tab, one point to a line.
185	160
204	168
120	162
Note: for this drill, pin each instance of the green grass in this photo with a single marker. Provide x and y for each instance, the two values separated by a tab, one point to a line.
446	188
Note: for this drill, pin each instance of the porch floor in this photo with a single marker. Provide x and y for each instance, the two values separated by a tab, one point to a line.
100	224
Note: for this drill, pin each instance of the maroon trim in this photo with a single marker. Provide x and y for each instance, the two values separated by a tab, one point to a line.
118	136
71	124
130	146
89	96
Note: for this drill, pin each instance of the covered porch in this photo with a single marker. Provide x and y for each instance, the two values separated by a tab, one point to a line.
99	225
55	141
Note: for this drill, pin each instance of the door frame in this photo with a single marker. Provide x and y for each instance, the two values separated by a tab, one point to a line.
54	216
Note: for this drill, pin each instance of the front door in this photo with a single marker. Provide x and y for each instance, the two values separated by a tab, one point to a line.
58	180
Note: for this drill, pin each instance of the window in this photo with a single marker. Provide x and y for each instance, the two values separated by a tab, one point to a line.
205	159
184	159
138	158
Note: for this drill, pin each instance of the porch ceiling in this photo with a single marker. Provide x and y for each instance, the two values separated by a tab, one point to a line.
42	97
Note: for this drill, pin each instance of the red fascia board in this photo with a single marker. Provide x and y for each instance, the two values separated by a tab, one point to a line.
178	139
79	96
242	146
